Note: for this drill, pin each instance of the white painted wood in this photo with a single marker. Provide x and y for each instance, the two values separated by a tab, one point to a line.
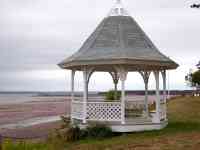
156	73
85	95
104	111
72	85
134	127
122	75
97	111
145	75
146	99
115	78
138	127
164	94
72	92
123	103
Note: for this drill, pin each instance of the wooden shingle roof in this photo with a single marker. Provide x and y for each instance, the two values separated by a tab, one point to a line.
119	40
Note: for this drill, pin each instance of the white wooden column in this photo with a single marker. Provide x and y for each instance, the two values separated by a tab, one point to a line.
164	91
85	95
122	75
87	72
115	78
156	73
146	100
72	85
145	75
72	92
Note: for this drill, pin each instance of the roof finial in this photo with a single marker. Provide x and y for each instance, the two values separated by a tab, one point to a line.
118	1
118	10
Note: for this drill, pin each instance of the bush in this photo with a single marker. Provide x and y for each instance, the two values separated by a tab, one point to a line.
73	134
92	131
70	133
112	95
98	131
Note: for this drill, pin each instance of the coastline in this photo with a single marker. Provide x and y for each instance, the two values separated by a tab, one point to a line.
39	131
21	115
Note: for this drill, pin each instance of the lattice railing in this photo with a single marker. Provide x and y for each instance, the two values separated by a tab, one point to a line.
104	111
77	110
111	111
134	108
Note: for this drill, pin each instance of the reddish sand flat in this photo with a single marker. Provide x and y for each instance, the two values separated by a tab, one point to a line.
40	131
33	107
38	107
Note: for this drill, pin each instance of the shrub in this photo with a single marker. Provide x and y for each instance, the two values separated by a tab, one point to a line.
112	95
73	134
99	131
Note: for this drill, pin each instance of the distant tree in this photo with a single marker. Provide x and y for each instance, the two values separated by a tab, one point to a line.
196	78
193	78
195	6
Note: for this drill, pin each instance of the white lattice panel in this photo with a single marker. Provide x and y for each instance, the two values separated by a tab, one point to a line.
104	111
77	110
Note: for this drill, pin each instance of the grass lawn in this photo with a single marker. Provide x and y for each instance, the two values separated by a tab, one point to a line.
182	133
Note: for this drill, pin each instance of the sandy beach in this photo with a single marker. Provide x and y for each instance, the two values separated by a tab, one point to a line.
32	116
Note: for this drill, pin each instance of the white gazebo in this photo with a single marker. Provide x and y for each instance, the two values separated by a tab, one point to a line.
119	46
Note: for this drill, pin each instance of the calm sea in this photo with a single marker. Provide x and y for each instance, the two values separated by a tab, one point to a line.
13	98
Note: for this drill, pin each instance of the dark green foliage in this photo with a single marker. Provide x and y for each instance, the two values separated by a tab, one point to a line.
73	134
70	133
98	131
113	95
196	78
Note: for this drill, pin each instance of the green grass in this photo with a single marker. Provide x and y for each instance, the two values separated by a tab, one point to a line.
182	133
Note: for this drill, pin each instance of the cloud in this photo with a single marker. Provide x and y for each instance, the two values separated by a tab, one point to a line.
38	34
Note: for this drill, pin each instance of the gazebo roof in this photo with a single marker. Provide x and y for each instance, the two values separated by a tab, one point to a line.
119	40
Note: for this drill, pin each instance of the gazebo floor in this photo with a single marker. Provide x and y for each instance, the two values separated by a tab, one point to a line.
131	125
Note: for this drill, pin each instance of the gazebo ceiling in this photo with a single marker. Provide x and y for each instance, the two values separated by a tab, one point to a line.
118	40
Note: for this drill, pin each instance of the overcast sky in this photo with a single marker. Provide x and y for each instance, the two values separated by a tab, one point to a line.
35	35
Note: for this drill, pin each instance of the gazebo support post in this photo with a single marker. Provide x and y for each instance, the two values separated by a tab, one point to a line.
156	73
122	75
87	72
145	75
72	93
146	100
164	91
115	91
85	95
115	78
123	102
